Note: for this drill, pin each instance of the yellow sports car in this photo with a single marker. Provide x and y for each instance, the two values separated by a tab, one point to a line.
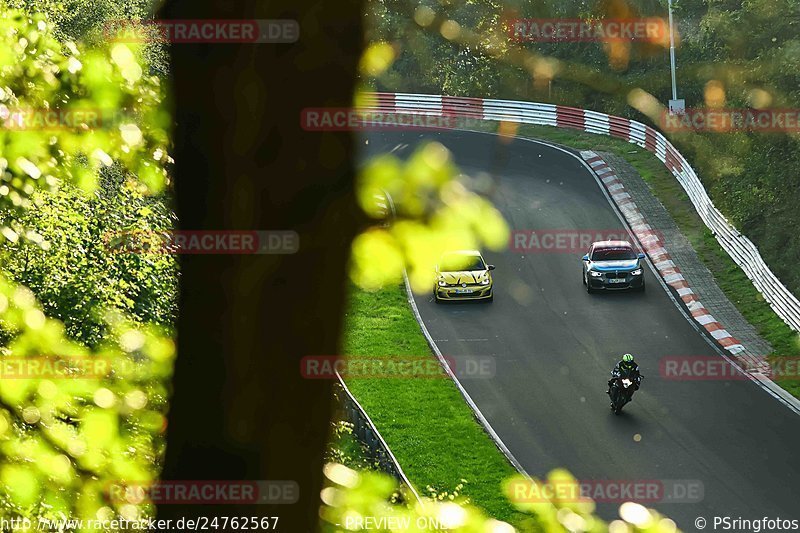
463	275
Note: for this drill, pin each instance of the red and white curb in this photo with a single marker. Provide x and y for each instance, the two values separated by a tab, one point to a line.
654	247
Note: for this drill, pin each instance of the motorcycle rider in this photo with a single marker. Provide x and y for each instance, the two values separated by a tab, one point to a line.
626	367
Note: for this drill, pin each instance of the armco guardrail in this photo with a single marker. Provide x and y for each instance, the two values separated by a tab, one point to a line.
739	247
366	432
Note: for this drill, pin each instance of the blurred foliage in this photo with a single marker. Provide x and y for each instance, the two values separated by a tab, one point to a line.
730	54
92	22
65	256
66	436
360	501
433	209
39	74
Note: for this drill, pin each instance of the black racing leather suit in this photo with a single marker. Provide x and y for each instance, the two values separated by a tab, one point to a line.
626	370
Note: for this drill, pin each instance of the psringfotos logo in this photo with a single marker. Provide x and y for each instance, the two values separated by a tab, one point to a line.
202	31
231	242
594	30
756	525
396	367
204	492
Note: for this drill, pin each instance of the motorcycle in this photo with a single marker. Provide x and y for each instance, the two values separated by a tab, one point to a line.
621	392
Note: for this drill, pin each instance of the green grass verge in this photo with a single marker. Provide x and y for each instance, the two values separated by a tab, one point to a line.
425	421
731	279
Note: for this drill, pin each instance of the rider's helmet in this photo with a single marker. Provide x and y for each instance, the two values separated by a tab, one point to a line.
627	360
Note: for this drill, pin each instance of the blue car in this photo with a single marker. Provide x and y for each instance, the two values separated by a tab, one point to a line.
613	265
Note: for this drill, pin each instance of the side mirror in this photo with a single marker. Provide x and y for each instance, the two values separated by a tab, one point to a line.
585	257
489	267
641	255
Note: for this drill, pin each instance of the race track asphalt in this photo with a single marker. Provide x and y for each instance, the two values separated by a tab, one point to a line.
554	346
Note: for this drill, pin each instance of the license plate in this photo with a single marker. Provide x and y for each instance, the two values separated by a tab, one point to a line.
464	291
617	281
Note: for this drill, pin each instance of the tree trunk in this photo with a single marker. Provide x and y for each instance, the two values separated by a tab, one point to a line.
240	409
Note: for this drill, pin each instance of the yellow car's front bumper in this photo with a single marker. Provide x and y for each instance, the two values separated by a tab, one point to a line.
476	292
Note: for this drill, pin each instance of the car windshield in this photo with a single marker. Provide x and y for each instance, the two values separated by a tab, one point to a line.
457	262
613	254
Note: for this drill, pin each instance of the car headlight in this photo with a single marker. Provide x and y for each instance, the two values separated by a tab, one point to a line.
442	283
485	282
637	272
595	274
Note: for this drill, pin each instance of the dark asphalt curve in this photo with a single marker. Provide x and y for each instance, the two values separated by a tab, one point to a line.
554	346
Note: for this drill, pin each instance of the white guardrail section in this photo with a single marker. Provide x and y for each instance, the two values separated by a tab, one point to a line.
462	110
